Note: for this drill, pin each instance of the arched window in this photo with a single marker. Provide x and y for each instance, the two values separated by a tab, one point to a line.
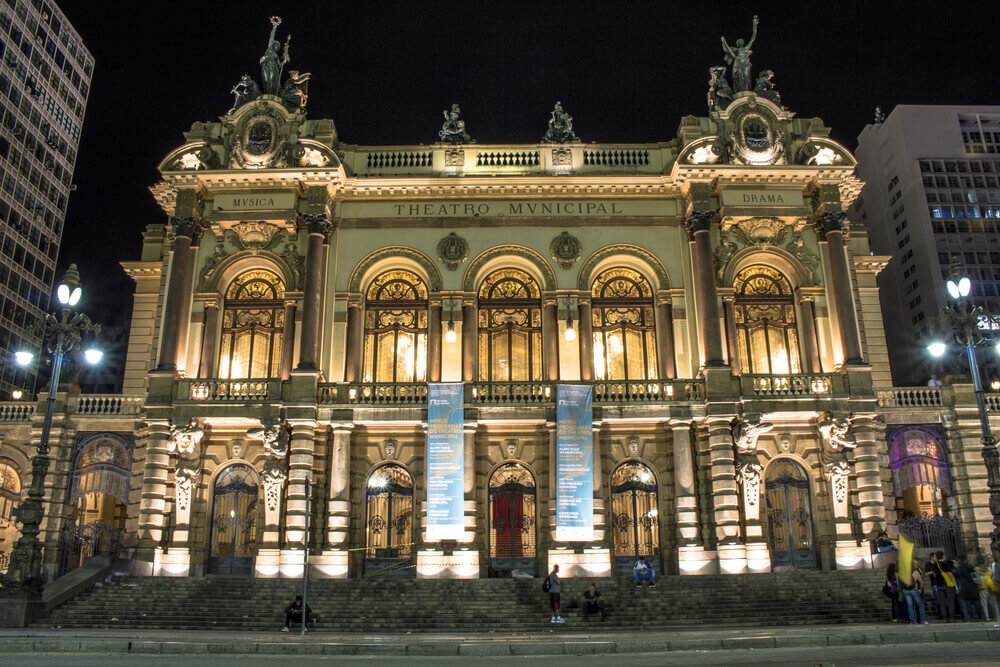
624	333
396	328
510	327
10	498
389	528
921	477
252	322
766	335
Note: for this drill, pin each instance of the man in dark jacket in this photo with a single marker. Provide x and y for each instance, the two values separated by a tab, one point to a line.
293	614
944	582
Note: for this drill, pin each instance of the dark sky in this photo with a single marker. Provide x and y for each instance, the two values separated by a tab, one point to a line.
626	71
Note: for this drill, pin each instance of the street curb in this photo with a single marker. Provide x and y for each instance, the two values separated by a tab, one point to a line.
491	647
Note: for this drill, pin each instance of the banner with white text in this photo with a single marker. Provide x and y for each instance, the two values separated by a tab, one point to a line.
445	462
574	463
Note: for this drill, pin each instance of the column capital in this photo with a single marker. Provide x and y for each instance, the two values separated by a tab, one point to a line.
678	424
318	223
186	226
342	428
829	222
700	221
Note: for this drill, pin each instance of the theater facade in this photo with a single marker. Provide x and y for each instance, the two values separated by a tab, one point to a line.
302	297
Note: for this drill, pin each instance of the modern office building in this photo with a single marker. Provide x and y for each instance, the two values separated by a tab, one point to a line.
45	73
931	194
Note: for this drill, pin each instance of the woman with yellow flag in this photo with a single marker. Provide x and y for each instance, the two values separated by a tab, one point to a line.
911	583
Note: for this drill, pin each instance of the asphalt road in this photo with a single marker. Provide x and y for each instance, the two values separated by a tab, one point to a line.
951	654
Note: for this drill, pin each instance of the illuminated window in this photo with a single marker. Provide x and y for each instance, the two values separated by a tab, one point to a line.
396	328
624	333
10	498
510	327
765	322
252	323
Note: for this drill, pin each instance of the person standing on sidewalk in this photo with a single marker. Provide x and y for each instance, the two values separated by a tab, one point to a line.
988	588
968	590
553	588
913	598
946	587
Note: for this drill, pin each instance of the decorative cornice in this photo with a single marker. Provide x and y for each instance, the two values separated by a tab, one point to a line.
137	270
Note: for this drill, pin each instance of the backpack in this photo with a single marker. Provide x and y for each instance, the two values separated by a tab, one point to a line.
546	585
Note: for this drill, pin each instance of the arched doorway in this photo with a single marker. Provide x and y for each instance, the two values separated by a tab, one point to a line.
512	520
10	498
233	545
389	524
98	495
789	515
635	515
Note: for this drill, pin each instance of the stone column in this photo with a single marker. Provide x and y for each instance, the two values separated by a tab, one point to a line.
685	493
550	331
338	515
600	510
810	344
699	225
830	228
319	227
209	334
665	323
734	353
152	506
469	479
552	482
586	338
748	476
296	519
469	339
434	342
178	292
725	497
355	340
871	499
288	341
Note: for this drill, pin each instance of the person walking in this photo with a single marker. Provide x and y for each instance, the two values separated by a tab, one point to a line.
553	587
968	591
988	588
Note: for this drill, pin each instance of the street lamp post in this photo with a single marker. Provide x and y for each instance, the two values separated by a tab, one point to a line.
61	336
972	327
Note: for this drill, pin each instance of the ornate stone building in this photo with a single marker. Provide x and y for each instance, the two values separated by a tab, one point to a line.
302	292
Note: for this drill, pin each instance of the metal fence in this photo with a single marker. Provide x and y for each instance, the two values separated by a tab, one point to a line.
931	531
93	539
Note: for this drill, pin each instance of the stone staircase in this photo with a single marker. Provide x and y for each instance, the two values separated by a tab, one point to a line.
501	605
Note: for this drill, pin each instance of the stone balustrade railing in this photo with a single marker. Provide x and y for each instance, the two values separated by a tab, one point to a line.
106	404
789	385
227	391
373	393
909	397
16	411
992	402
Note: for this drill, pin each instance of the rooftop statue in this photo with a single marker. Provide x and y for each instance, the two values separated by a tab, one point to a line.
272	63
245	91
739	58
560	127
720	93
453	130
765	87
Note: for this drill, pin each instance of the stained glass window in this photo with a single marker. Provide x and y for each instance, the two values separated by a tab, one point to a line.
396	328
766	333
510	327
252	322
624	330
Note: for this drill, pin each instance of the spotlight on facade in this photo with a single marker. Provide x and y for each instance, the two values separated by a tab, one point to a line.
937	349
24	357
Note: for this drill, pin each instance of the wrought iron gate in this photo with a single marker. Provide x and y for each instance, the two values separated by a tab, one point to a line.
389	530
85	541
927	530
635	515
234	521
789	516
512	521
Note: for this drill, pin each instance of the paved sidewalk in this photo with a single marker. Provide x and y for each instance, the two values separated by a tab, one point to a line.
484	644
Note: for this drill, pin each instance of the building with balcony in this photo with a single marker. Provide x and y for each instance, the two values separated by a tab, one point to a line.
303	298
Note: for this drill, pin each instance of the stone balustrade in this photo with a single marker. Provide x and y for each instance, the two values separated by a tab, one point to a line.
227	391
106	404
909	397
789	385
16	411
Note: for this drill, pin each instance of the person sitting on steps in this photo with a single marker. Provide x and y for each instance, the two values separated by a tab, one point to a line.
593	601
643	571
293	614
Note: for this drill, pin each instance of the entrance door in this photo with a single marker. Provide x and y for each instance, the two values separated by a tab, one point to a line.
635	515
789	516
512	520
389	533
234	521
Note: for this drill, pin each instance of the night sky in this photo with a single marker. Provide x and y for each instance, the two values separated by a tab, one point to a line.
626	72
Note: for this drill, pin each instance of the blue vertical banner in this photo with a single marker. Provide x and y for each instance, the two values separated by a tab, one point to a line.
445	462
574	463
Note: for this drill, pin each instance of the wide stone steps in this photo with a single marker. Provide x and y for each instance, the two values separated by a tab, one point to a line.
502	605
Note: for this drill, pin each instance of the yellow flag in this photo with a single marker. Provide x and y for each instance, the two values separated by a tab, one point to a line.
905	564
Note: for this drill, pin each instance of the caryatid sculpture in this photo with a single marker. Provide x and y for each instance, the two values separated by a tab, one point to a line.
738	57
274	435
185	441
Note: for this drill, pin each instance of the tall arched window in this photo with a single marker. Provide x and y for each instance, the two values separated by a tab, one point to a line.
396	328
766	334
389	527
252	322
510	327
624	332
10	498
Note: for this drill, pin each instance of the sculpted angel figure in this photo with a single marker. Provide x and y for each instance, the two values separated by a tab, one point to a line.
185	440
272	63
739	57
